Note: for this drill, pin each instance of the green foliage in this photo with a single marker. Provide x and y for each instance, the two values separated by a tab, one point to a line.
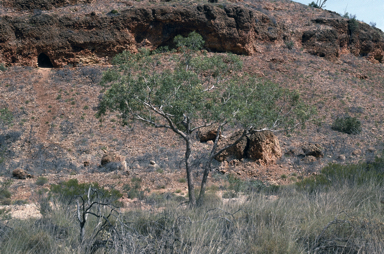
5	194
114	11
337	175
197	91
134	190
319	4
314	5
290	44
349	125
194	41
237	185
6	116
353	24
2	67
41	181
71	189
109	76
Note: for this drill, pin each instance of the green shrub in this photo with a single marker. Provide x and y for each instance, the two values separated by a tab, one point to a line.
134	190
230	194
337	175
194	41
2	67
41	181
19	202
349	125
314	5
237	185
353	24
6	116
319	4
5	194
290	44
182	180
70	189
114	11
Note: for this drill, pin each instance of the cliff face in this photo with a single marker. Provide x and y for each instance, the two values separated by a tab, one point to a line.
239	28
69	40
336	36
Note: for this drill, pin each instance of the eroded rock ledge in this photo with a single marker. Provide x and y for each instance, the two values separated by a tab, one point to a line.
94	38
69	40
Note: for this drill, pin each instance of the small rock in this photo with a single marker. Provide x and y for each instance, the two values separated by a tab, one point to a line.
86	163
357	152
371	149
341	157
152	162
309	159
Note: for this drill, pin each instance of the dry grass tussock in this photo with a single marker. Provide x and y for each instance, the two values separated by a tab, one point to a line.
338	211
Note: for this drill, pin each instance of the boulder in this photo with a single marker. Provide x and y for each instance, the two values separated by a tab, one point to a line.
235	152
264	147
21	174
313	150
113	161
207	133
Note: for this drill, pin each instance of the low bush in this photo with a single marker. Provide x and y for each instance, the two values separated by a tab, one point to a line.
41	181
237	185
5	194
349	125
337	175
2	67
66	191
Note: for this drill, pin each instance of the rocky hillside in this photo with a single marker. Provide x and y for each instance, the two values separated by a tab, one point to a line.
335	63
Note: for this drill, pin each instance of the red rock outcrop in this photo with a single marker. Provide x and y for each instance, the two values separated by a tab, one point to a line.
73	40
262	147
335	36
94	38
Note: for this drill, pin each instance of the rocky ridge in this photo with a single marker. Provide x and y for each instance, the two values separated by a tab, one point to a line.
242	28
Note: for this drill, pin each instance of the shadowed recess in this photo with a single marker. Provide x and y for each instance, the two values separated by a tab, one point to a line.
43	61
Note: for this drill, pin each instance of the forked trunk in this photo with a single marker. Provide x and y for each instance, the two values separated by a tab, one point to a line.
191	188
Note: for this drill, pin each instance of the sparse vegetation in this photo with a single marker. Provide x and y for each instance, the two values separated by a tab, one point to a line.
347	124
2	67
5	194
319	4
41	181
289	44
353	24
65	191
284	222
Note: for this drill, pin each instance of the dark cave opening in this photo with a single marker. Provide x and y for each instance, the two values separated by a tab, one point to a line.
43	61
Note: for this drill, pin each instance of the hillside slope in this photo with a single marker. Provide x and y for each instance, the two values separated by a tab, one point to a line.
54	129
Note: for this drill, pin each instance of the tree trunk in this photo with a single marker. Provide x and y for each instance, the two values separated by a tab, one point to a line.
207	168
191	189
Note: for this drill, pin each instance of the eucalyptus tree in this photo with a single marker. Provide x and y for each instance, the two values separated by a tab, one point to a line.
191	89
